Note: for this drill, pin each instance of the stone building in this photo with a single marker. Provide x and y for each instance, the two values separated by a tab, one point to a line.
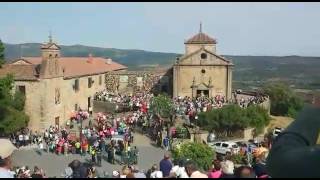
201	71
55	86
130	82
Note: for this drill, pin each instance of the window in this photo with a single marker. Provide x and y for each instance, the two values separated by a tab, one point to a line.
76	85
76	107
234	146
57	96
225	145
100	80
57	119
90	82
22	89
203	71
203	56
217	144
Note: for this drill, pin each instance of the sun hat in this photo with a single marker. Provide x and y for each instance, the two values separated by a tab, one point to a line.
6	149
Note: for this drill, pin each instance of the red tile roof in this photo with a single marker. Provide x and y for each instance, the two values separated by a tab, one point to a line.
20	72
72	66
81	66
201	38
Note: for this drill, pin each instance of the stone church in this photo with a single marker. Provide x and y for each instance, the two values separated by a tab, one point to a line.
56	86
201	71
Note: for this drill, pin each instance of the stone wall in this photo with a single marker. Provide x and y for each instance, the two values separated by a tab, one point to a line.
139	81
41	98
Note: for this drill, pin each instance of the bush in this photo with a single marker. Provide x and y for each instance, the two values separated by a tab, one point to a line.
284	102
12	116
12	120
202	154
238	158
162	105
232	118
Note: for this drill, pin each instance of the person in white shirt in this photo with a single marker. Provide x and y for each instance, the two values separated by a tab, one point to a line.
155	173
20	139
6	151
26	139
178	171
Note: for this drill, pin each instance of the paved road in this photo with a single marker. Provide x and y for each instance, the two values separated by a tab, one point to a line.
54	165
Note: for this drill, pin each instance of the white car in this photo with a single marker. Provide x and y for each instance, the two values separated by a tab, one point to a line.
224	147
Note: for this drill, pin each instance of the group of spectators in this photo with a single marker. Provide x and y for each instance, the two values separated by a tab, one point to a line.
244	100
26	172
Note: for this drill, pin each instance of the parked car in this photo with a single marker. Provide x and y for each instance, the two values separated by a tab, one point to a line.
224	147
276	131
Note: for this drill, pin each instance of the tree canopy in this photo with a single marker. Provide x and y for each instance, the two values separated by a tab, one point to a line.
1	53
202	154
162	105
12	116
284	101
232	118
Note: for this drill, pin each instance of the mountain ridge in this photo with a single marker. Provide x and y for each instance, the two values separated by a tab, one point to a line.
250	70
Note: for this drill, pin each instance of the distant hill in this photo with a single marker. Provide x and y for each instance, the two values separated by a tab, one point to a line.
126	56
249	71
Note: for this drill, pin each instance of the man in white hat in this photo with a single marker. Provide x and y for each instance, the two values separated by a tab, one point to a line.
6	150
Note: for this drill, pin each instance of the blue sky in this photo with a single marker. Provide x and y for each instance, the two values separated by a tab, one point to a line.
240	28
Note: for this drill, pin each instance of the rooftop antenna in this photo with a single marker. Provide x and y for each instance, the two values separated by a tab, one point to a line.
200	27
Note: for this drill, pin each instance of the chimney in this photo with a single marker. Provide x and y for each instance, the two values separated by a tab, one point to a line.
90	59
109	61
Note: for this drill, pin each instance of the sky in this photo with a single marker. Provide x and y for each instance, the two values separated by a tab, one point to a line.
272	28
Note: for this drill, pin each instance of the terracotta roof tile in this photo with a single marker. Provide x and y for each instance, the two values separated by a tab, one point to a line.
20	72
80	66
201	38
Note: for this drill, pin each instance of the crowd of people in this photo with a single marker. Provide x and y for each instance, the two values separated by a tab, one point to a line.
96	139
222	167
26	172
245	100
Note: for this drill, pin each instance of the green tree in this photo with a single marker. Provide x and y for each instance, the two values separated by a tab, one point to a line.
1	53
284	102
202	154
12	116
232	118
162	105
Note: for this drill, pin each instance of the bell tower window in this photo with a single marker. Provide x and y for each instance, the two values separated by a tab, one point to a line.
203	56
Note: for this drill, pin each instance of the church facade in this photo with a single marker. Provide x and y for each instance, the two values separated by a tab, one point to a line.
201	71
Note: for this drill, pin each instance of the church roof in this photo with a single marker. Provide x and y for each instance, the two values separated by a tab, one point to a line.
27	68
201	38
209	52
80	66
20	71
50	45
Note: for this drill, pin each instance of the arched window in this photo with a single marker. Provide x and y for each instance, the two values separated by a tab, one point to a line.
50	55
203	56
